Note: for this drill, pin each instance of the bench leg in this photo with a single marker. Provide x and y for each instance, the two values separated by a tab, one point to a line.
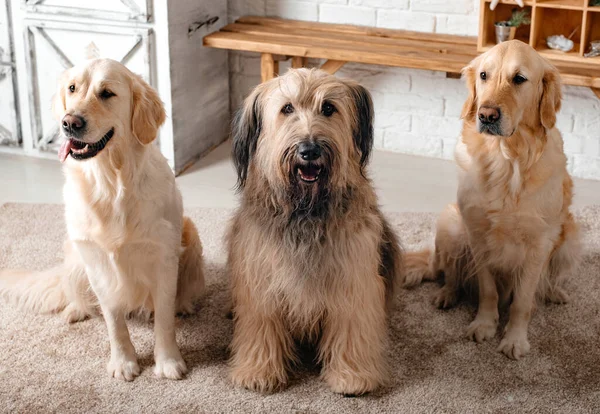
596	91
298	62
332	66
269	67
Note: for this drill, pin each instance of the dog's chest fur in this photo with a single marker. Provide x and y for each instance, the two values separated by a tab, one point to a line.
124	230
507	208
304	265
115	207
103	212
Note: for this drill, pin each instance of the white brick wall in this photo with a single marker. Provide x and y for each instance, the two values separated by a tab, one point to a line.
335	13
417	112
405	19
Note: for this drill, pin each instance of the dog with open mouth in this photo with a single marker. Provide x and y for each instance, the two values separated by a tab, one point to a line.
129	247
311	257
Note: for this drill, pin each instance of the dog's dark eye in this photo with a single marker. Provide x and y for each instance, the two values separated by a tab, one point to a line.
106	94
519	79
72	88
328	109
287	109
483	75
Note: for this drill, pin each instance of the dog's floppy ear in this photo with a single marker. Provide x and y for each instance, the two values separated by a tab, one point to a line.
148	112
245	130
550	101
469	108
363	130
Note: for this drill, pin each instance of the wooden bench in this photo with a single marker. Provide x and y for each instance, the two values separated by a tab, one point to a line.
280	39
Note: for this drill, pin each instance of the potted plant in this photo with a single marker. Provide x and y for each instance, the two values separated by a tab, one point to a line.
506	30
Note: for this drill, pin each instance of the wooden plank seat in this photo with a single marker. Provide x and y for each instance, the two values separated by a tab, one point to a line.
282	39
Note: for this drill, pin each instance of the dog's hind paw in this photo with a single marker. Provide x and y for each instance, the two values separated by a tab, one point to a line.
186	308
73	314
558	296
123	369
445	298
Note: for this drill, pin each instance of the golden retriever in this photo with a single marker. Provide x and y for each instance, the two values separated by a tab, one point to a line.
127	237
511	235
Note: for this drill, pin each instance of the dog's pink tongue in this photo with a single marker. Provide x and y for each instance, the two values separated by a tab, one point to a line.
64	150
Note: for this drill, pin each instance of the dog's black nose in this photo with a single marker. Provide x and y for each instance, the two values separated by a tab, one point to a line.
309	151
73	124
489	115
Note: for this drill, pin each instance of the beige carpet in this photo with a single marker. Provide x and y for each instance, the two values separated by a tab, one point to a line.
49	366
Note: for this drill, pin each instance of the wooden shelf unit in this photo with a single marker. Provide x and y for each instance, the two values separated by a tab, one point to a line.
548	17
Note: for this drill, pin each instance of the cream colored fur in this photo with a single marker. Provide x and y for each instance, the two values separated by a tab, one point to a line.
129	247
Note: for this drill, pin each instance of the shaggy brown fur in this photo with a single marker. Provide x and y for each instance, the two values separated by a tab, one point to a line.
311	257
511	236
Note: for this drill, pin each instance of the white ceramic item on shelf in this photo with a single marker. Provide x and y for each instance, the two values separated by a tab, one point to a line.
494	3
559	42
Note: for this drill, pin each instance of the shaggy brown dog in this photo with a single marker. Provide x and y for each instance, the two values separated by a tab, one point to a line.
512	229
311	257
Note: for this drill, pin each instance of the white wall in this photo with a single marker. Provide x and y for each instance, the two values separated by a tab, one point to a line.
416	111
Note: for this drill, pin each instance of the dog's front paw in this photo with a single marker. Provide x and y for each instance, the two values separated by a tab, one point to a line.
445	298
169	364
123	368
514	345
349	383
263	380
171	368
482	329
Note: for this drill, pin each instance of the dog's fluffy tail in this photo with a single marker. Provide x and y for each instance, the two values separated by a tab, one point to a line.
190	285
418	266
40	292
64	288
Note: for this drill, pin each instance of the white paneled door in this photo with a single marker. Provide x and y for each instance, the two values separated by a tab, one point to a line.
56	46
9	116
161	40
128	10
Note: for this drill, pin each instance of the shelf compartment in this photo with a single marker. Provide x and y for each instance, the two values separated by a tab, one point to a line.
503	11
548	22
591	32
